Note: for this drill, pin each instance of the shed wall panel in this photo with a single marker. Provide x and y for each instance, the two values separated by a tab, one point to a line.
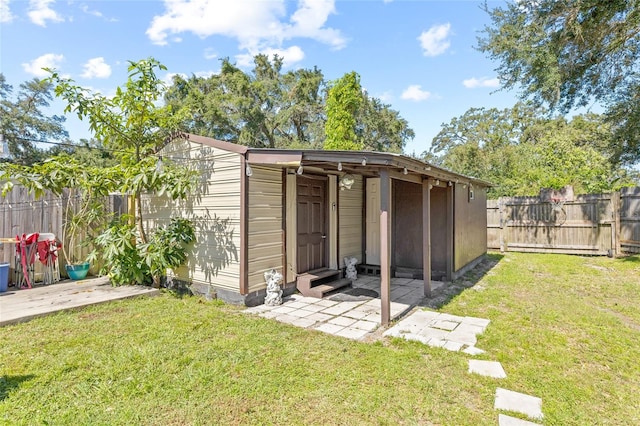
470	225
214	208
350	217
265	233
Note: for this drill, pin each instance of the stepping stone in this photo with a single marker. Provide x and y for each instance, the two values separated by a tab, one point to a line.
487	368
472	350
517	402
504	420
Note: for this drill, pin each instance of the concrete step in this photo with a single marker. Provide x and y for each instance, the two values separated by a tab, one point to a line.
321	290
318	283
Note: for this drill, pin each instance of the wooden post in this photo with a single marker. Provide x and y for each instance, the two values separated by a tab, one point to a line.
615	224
426	236
449	243
385	246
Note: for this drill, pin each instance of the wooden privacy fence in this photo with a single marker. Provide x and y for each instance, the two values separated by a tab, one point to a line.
21	213
591	224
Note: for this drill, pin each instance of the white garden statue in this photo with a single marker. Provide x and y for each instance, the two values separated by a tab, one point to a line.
351	272
274	292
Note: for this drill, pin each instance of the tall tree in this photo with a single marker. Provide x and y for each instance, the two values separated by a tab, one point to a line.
132	126
344	102
265	108
569	54
380	128
268	107
522	149
23	123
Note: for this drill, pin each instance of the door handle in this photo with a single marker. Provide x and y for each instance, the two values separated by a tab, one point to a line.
324	237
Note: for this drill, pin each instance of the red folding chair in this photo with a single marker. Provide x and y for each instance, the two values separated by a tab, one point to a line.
48	247
26	248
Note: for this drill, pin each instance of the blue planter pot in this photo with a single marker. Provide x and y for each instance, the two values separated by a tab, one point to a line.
78	271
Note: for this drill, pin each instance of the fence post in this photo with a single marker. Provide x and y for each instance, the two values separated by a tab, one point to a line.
615	225
500	212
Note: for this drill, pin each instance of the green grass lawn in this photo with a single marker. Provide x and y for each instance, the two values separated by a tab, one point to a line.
566	329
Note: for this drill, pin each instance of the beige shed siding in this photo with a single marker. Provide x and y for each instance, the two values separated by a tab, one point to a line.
215	210
265	234
470	225
350	221
292	266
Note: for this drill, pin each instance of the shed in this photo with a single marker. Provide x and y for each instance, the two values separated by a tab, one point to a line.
302	212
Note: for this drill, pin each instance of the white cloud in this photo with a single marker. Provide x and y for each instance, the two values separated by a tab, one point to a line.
168	78
257	25
289	56
210	53
40	12
96	68
472	83
386	96
49	60
5	11
415	93
435	41
85	9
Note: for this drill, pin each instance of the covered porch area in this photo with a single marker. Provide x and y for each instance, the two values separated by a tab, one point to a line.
353	313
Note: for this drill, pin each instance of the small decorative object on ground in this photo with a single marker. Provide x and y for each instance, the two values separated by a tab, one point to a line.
274	292
351	271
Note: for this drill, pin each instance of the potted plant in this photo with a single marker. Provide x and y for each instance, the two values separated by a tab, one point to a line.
84	216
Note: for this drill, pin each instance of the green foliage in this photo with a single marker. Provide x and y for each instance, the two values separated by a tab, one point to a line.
132	125
129	261
124	263
167	247
265	108
269	108
568	54
23	123
380	128
344	102
133	128
521	150
83	188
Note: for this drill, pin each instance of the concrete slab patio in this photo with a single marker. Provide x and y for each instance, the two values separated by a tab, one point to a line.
353	313
447	331
23	305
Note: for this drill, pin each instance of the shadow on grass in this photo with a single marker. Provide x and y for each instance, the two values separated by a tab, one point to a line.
9	383
448	291
632	259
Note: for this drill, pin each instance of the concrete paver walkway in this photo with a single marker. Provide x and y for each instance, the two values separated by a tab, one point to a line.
442	330
341	315
22	305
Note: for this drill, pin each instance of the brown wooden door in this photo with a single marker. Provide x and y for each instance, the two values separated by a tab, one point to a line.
407	224
311	223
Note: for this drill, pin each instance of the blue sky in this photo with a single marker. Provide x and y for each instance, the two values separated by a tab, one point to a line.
417	56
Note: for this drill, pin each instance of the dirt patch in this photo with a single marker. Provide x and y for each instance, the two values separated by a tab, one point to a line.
623	318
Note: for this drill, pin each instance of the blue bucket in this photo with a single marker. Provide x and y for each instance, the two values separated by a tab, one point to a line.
4	277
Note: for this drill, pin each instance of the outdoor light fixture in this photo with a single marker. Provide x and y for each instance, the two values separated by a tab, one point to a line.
248	170
451	183
339	166
346	182
159	165
437	182
300	170
405	171
364	161
428	168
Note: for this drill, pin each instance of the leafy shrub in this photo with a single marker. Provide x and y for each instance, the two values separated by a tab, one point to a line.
128	261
